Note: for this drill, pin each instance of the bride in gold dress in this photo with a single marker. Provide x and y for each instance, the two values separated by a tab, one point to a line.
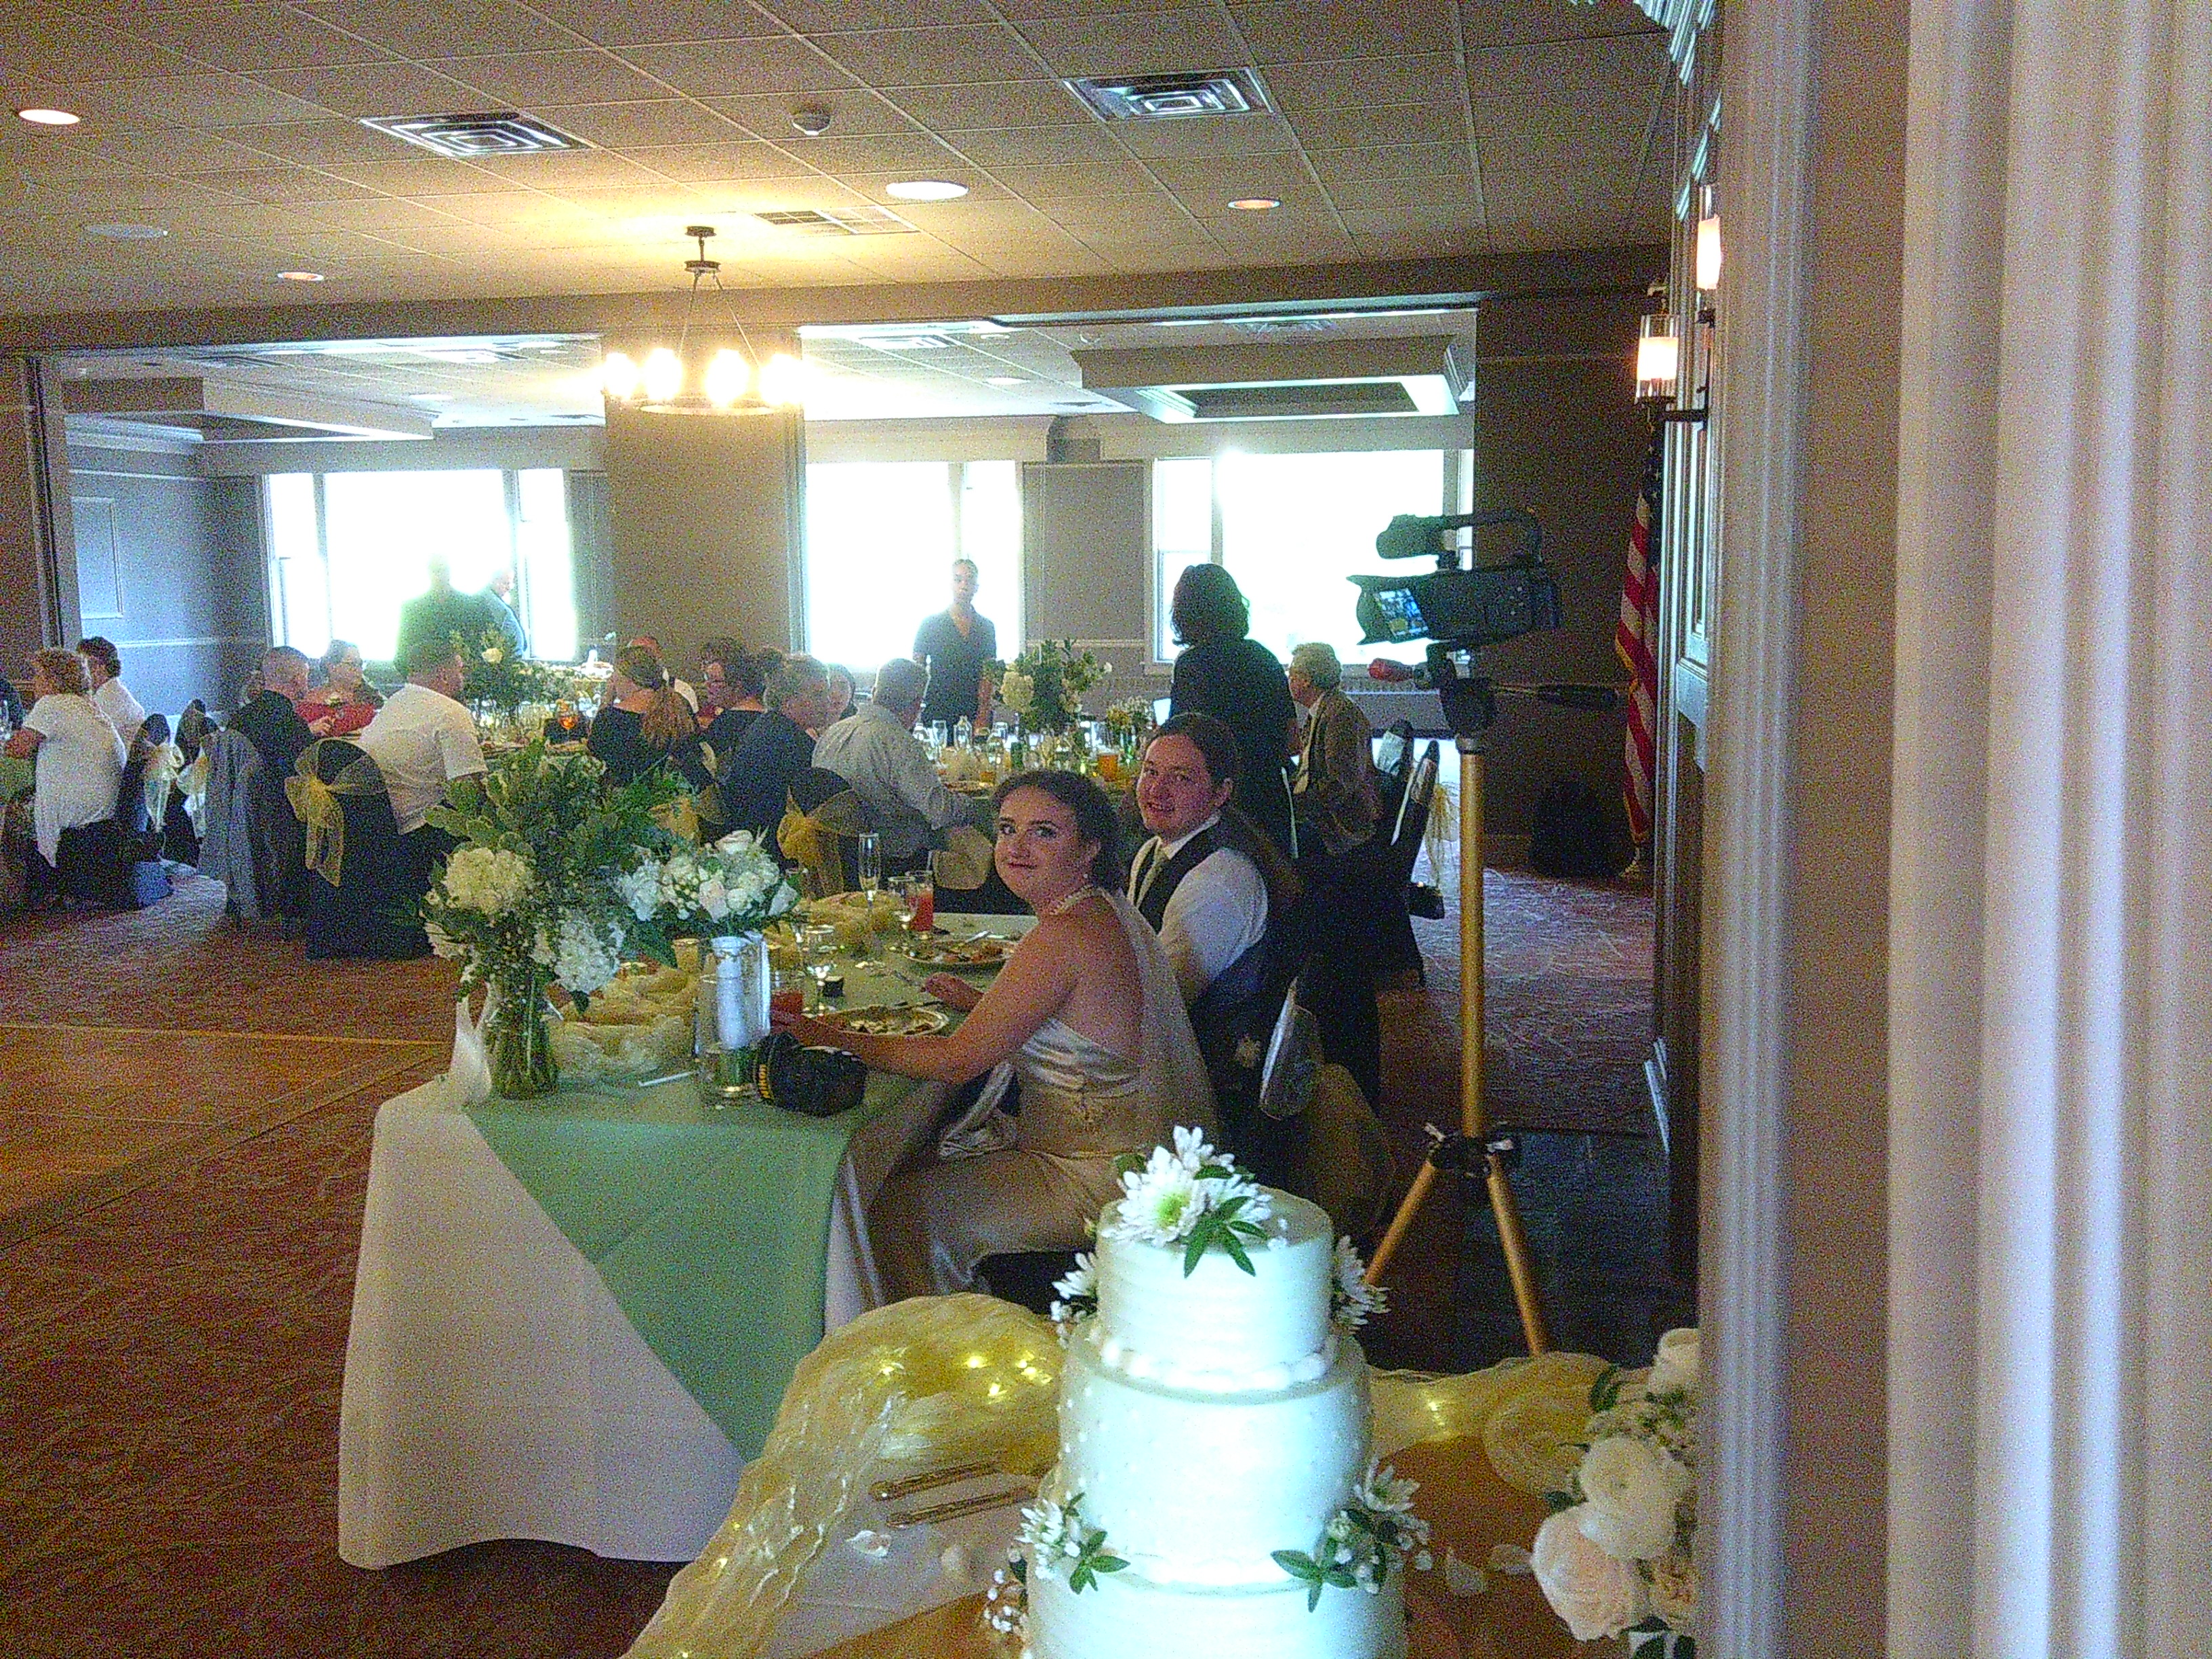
1087	1014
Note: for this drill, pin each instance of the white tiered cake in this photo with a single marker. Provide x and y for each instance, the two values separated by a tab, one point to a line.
1212	1420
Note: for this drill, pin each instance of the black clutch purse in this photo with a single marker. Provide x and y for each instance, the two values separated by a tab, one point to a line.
819	1082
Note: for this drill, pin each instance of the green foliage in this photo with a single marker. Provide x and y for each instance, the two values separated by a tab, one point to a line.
1091	1560
494	673
1220	1228
1315	1575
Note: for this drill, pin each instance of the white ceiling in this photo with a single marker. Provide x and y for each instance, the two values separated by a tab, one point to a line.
1401	130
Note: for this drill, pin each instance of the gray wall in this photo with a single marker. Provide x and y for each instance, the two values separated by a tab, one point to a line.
169	567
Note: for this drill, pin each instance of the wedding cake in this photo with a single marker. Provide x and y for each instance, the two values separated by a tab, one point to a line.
1214	1493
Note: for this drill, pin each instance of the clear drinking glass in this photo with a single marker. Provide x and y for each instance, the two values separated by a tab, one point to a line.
818	942
872	863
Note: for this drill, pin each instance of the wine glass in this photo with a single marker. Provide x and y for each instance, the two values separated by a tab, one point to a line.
818	942
872	864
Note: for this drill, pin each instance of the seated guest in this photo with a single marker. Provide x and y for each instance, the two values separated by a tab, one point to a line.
77	763
344	702
11	702
1334	795
684	688
1085	1014
842	705
876	752
644	724
271	723
422	740
109	695
756	775
1198	879
734	682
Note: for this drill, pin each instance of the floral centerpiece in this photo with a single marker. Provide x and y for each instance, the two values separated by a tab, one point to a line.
1617	1554
496	676
1045	684
529	900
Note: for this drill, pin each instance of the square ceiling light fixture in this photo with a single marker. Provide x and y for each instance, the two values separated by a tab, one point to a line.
1171	97
492	132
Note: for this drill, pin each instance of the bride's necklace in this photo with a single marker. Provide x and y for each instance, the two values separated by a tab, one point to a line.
1060	906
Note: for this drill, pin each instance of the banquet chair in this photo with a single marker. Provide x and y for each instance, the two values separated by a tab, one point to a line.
359	898
1398	957
231	850
820	833
135	877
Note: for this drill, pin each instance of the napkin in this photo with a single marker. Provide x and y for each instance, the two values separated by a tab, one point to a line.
468	1074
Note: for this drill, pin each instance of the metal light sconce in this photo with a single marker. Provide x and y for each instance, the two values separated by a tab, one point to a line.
1658	359
727	383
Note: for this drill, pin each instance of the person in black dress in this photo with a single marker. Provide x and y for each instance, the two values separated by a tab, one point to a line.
756	778
955	645
645	724
732	681
1223	672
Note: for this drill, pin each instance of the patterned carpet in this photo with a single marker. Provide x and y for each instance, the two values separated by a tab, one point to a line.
171	1349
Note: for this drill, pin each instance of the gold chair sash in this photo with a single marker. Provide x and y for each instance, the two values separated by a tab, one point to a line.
965	862
315	804
815	839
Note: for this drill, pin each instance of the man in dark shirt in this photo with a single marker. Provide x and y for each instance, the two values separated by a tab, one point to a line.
498	603
272	725
954	645
440	613
778	746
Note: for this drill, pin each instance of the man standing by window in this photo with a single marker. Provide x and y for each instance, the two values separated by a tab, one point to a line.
954	645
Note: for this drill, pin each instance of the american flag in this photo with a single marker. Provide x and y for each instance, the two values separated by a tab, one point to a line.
1637	640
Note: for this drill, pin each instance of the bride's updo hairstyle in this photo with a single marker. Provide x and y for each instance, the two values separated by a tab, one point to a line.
1094	817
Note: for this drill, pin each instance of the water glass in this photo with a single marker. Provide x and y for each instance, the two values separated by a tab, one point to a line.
817	941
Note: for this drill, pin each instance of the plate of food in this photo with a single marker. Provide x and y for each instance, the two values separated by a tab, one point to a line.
887	1019
941	951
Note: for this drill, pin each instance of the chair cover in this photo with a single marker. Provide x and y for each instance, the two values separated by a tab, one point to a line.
823	821
316	802
361	902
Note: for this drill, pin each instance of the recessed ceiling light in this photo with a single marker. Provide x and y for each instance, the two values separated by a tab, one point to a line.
47	117
126	232
1254	203
300	276
925	190
1005	380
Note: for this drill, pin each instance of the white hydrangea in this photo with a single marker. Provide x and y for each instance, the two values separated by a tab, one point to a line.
493	880
579	956
640	889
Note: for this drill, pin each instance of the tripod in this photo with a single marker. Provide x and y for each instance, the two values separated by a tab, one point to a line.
1470	702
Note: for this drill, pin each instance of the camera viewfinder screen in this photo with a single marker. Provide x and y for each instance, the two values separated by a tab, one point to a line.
1402	614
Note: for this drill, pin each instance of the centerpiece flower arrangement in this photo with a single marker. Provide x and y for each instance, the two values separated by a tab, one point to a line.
497	676
530	898
1045	684
1618	1553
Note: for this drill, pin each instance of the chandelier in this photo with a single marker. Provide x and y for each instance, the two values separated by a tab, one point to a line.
668	382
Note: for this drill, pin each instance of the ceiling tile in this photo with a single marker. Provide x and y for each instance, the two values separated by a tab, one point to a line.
1195	136
445	29
1515	22
320	143
37	42
1125	216
282	185
1391	162
721	69
933	58
254	38
191	100
542	79
1441	120
1301	89
1628	69
1036	146
639	126
853	112
823	16
178	149
916	154
872	186
567	170
1078	181
383	215
1227	178
1395	222
430	176
1148	43
743	158
375	89
1021	9
29	165
654	22
153	197
1323	31
1016	103
1461	189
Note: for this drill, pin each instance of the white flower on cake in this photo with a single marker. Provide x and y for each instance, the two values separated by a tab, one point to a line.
1076	1293
1191	1195
1054	1533
1005	1599
1352	1301
1371	1537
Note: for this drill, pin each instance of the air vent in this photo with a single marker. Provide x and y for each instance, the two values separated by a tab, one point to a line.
496	132
843	222
1170	97
905	343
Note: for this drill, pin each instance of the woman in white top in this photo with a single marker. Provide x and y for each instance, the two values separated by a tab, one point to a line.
79	757
109	694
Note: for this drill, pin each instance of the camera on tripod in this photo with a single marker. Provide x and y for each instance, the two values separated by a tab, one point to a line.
1463	608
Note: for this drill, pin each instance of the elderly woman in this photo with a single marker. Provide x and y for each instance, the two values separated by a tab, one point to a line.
1224	672
1086	1014
342	701
79	762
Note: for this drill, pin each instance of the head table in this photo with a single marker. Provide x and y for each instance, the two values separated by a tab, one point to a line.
574	1318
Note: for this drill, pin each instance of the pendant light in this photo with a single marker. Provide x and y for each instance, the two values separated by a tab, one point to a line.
731	382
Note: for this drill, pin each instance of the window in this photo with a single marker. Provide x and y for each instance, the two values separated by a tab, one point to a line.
881	536
347	550
1290	529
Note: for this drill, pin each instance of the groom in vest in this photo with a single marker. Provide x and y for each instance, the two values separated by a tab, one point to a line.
1199	881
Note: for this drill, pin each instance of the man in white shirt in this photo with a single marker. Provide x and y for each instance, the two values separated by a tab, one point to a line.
422	740
875	751
109	694
1203	893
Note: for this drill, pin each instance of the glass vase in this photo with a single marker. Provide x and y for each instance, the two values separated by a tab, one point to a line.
518	1035
731	1018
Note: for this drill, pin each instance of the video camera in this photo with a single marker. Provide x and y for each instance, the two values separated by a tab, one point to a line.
1462	608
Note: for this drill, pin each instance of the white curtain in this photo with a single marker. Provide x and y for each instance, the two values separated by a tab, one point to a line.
2050	1450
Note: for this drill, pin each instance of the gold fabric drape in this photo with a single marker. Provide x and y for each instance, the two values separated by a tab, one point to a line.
316	805
816	839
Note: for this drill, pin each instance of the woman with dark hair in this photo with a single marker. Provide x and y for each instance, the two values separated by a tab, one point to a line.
1223	672
1085	1014
735	683
645	722
342	701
